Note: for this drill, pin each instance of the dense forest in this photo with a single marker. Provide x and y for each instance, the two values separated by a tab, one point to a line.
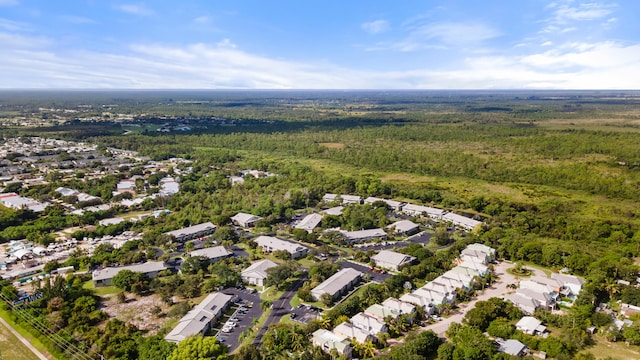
555	178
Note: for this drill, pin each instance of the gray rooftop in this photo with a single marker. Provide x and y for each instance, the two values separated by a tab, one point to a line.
192	230
214	252
110	272
337	281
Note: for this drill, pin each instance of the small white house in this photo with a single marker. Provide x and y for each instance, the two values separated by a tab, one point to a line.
245	220
256	274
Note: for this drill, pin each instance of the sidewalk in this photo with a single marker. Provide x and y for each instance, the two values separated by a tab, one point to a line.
23	340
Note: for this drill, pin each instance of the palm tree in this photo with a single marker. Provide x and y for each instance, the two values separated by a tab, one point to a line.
368	349
325	323
265	305
357	348
296	341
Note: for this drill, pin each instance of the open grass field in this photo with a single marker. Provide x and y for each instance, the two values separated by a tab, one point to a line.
12	348
617	350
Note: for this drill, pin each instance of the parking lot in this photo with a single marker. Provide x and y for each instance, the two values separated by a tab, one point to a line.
241	318
304	313
378	277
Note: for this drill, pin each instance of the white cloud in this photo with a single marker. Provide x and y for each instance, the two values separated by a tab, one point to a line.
569	65
10	25
10	41
376	27
134	9
442	35
566	15
457	33
9	2
202	20
77	19
582	12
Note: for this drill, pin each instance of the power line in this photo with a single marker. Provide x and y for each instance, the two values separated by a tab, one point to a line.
66	346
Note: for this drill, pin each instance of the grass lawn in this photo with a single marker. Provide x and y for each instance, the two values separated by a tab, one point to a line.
12	348
103	290
295	301
271	294
617	350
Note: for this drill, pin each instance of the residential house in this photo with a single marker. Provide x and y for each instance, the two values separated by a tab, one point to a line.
530	325
434	297
256	274
338	284
418	210
402	307
465	280
126	185
513	347
527	304
270	244
104	276
201	318
461	221
474	256
168	186
391	260
572	283
477	267
349	331
391	204
309	222
491	252
381	312
628	310
215	253
404	227
426	303
329	341
344	199
245	220
364	235
369	323
335	211
15	201
441	287
192	232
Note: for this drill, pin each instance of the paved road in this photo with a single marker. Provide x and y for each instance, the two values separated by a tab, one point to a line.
280	308
498	289
23	340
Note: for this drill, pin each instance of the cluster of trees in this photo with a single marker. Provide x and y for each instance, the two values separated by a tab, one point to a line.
317	273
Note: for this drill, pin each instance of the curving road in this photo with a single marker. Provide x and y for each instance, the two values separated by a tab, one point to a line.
280	308
498	289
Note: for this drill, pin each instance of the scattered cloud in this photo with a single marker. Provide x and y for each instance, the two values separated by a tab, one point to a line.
567	12
578	65
442	35
134	9
10	25
10	41
457	33
583	12
77	19
376	27
9	2
202	20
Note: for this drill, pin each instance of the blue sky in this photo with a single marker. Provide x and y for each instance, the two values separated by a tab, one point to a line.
357	44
